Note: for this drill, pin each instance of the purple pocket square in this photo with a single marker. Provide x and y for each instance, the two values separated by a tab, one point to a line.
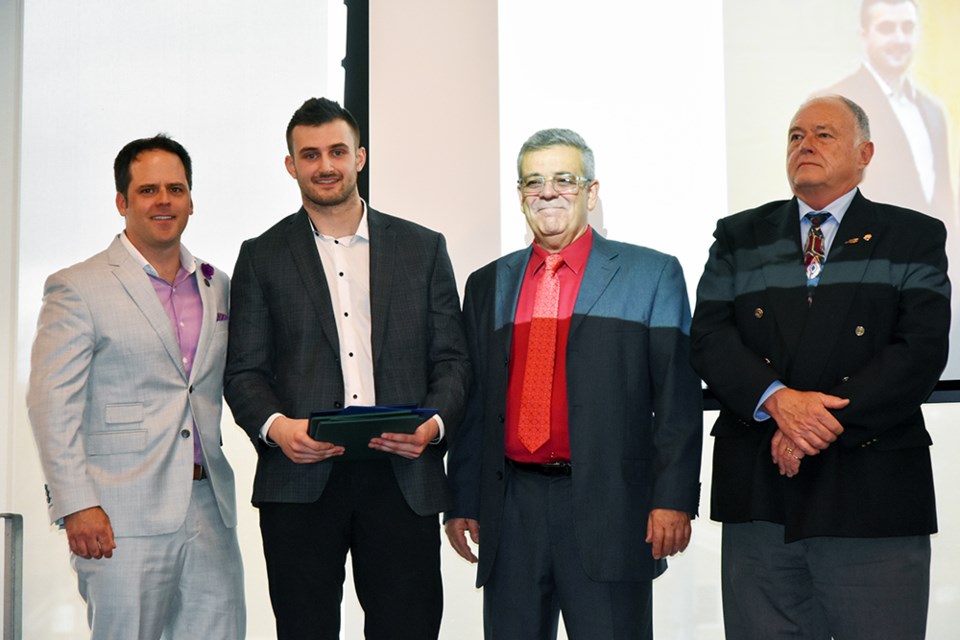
221	317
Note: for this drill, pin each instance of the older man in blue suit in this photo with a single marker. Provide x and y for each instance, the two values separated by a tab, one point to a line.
579	458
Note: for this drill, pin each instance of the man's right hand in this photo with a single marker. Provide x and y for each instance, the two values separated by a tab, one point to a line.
291	436
804	417
89	533
457	529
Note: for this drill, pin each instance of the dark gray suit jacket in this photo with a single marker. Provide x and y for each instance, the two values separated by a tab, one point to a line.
284	357
634	405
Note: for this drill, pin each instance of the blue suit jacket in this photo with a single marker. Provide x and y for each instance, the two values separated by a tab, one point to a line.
634	405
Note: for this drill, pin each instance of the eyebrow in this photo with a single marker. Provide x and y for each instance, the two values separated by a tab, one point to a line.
336	145
816	128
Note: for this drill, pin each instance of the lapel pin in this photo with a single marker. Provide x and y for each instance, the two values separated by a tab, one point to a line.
868	237
852	241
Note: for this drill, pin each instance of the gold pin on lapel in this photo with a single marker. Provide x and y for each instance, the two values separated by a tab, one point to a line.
868	237
852	241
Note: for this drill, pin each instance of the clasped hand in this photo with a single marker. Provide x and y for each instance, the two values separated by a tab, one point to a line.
805	426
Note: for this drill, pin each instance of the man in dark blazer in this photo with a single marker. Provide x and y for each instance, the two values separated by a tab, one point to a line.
821	468
580	524
337	305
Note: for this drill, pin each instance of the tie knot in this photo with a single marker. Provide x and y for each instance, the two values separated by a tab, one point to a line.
554	262
817	219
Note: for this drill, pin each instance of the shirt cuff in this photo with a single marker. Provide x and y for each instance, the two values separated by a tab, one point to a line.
441	432
266	428
759	414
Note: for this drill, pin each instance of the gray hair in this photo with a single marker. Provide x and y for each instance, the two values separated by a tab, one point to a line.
558	138
863	122
859	115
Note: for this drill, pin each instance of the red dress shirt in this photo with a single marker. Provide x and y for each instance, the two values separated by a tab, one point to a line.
571	275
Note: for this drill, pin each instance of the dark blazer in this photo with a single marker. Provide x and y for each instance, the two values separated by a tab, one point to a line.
284	357
892	175
876	334
634	403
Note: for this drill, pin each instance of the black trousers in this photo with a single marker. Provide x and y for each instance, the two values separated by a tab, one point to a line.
395	553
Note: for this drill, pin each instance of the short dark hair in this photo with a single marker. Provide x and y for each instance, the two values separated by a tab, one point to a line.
130	151
318	111
866	5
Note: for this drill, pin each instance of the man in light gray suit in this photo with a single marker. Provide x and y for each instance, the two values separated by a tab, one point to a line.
335	305
125	403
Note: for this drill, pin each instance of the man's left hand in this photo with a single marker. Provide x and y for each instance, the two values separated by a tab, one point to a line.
408	445
668	531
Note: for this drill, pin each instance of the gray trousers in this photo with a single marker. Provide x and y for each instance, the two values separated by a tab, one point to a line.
818	588
186	584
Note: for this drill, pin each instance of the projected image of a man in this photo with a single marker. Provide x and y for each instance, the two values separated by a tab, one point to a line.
911	167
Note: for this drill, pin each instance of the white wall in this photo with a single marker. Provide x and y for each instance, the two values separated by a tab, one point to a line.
224	76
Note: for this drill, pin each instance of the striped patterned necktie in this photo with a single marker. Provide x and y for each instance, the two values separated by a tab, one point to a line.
535	399
813	254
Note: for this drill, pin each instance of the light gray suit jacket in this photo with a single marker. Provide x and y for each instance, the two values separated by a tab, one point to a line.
110	404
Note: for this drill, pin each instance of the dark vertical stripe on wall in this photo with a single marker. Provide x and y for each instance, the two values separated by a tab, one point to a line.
356	66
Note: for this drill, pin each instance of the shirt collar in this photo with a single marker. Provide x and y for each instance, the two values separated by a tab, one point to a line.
362	232
837	208
909	91
187	261
574	255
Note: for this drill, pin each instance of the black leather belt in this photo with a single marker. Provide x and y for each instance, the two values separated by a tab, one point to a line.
558	468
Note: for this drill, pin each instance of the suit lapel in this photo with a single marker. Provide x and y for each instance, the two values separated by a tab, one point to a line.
602	265
303	249
382	258
780	257
509	274
137	285
209	300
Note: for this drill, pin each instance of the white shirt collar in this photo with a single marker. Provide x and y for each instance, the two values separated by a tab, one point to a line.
837	208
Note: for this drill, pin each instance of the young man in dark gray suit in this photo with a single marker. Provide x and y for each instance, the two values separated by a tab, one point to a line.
821	326
339	304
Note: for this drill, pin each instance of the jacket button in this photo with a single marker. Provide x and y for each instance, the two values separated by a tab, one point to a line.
337	405
859	331
191	388
758	313
500	418
185	433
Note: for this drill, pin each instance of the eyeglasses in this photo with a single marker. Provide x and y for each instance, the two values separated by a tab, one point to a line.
564	183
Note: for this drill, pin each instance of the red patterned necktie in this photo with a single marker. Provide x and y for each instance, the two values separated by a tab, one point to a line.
535	398
813	254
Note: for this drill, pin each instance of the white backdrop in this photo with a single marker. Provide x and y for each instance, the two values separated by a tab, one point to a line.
448	113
